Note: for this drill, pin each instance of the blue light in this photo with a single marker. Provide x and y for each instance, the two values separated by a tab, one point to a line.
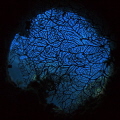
66	46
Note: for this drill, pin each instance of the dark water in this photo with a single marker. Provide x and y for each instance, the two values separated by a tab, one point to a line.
67	47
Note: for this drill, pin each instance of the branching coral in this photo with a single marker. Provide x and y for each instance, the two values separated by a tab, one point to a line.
66	55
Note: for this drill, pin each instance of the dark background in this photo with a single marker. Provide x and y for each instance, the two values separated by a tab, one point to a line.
13	13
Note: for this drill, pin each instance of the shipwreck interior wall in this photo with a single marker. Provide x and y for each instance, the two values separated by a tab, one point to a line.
16	103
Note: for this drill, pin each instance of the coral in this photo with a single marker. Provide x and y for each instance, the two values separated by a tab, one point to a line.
65	55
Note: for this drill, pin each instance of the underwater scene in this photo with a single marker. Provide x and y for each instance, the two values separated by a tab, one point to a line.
64	48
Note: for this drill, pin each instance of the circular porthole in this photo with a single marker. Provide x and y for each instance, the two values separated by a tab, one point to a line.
63	52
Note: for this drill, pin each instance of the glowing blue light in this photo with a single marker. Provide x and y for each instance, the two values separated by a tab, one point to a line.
67	46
